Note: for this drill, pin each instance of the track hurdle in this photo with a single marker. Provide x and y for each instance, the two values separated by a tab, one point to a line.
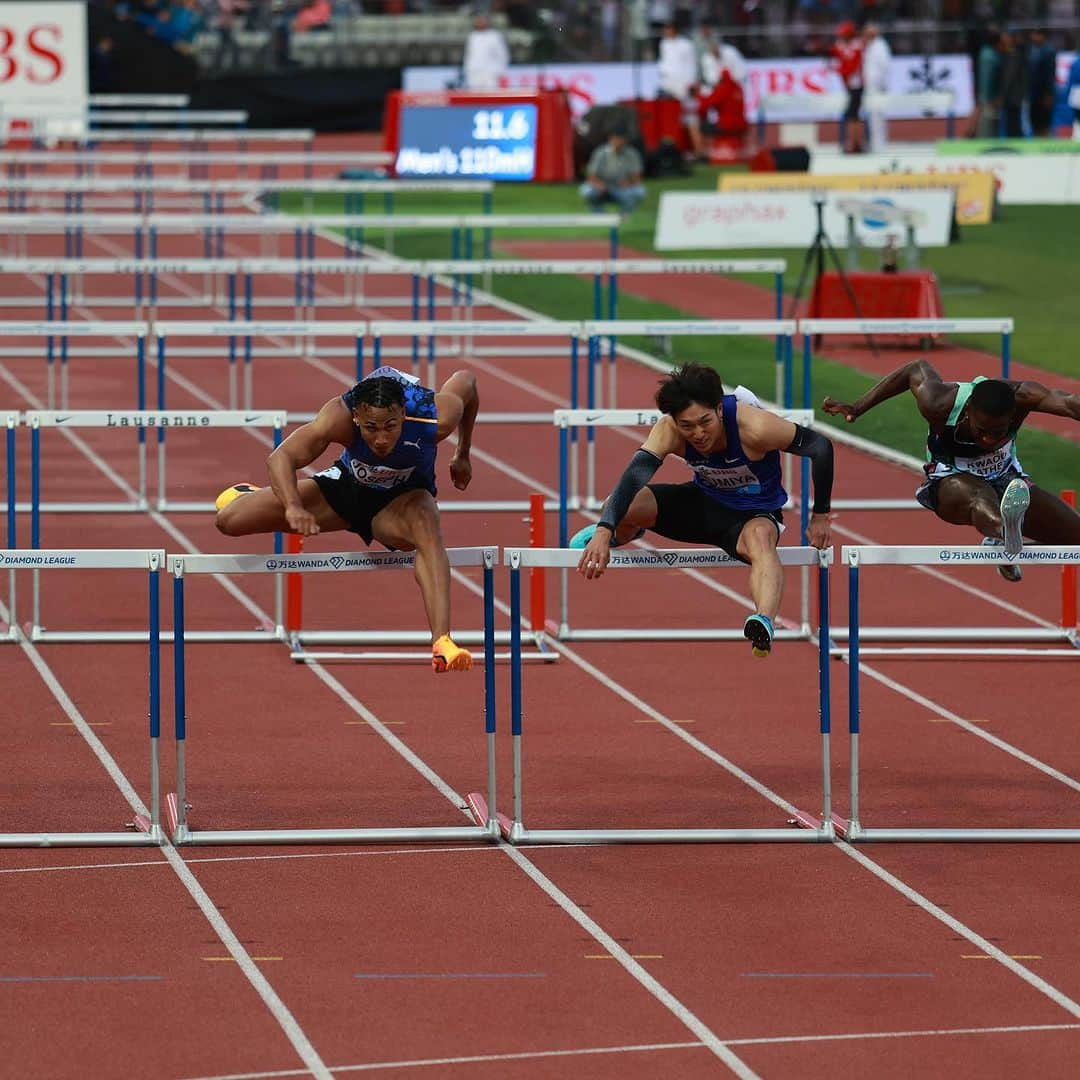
855	557
567	421
923	328
183	566
782	330
145	229
63	330
145	831
516	831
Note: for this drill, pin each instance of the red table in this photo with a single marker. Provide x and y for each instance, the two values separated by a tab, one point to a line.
907	294
554	127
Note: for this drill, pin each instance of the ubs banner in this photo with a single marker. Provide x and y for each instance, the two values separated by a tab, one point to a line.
603	84
757	219
43	76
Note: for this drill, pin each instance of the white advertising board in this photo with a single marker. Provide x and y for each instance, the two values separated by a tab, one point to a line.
708	220
1031	179
604	84
43	76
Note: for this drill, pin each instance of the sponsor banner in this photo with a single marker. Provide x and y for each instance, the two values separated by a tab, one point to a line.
587	85
43	71
1020	178
755	219
974	191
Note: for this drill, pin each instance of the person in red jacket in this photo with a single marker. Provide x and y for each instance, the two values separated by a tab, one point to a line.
723	109
846	56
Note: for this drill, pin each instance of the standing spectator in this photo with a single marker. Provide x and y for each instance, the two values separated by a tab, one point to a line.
678	76
988	86
1042	83
1072	95
613	174
847	62
877	58
1013	84
225	23
719	56
486	56
313	15
609	28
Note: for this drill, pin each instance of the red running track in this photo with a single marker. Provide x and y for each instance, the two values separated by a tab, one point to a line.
485	961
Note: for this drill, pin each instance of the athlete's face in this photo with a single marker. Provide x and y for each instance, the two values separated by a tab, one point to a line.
700	426
380	428
988	432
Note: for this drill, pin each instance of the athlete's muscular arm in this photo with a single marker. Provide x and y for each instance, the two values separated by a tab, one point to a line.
1034	397
457	404
332	423
761	431
933	396
664	439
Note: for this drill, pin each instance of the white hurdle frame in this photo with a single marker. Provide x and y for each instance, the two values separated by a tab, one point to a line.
144	831
181	566
567	421
64	331
855	557
816	829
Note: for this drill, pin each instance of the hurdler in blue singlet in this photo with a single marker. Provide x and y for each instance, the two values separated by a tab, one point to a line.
411	464
730	477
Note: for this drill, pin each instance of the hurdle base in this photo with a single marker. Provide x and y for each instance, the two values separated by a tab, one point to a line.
520	835
857	834
497	825
826	830
308	656
956	633
112	637
101	839
693	633
431	834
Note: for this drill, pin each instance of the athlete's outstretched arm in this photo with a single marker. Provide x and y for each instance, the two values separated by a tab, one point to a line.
457	404
918	376
664	439
332	423
1034	397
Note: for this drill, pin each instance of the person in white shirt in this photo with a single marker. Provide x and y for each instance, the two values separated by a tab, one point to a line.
718	56
677	69
486	56
877	57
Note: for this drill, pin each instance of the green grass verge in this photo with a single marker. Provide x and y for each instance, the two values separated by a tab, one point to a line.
1018	266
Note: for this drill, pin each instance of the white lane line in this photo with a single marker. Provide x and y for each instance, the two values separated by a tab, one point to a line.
277	1008
1003	958
781	1040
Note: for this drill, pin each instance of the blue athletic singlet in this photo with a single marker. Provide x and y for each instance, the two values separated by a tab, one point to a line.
412	461
729	477
946	454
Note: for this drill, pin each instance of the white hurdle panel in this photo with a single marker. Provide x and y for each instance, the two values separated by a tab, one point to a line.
144	830
568	421
855	557
816	828
182	566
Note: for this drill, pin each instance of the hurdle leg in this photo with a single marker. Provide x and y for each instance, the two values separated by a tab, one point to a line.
851	829
517	827
1068	581
176	804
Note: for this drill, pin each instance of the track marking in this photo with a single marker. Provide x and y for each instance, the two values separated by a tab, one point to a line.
781	1040
391	975
633	956
837	974
79	978
232	959
1014	956
277	1008
89	723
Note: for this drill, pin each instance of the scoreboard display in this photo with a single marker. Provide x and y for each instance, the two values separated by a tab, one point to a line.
474	142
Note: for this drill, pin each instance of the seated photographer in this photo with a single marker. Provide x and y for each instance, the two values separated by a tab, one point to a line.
613	174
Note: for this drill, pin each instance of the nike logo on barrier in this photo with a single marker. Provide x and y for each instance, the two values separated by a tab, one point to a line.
591	419
252	419
62	419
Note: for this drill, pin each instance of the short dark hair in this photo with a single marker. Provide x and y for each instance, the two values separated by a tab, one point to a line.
994	397
379	393
687	384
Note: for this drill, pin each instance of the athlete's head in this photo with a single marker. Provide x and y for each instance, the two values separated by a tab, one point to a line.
691	396
990	410
379	411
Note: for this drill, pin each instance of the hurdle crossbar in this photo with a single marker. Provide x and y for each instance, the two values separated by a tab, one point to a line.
145	831
182	566
515	830
855	557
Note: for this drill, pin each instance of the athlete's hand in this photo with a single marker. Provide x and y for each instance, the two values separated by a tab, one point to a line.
301	521
460	472
839	408
817	531
597	553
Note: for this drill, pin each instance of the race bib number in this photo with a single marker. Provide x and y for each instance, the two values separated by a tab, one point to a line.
739	478
379	476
